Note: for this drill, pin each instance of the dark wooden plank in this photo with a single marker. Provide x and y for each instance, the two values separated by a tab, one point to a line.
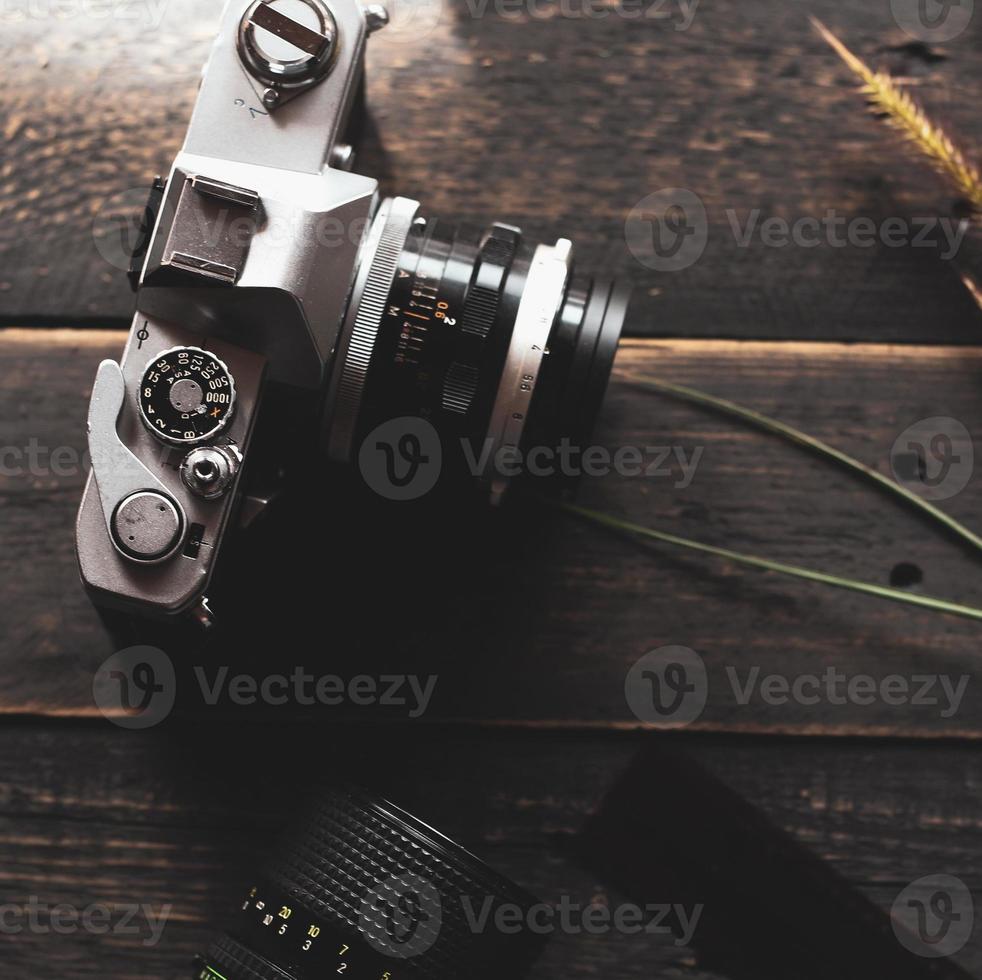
177	817
710	845
534	618
543	115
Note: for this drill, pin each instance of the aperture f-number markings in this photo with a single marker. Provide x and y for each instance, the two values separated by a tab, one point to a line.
423	306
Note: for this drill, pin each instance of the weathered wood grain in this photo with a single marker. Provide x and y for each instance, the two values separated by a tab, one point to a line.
708	844
529	617
559	115
91	816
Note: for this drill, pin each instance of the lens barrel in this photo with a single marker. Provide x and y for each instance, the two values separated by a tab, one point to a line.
493	340
362	889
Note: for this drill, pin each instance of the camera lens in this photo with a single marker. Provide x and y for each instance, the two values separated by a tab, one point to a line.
496	342
363	890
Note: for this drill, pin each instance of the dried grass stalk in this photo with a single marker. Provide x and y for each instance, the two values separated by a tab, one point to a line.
903	112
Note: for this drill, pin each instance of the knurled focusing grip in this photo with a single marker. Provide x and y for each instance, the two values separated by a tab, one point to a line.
361	888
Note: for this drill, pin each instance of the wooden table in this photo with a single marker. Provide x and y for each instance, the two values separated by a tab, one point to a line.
560	122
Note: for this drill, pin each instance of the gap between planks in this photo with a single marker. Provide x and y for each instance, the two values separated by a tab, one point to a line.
629	347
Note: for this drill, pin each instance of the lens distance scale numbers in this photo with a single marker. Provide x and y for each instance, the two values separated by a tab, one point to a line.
278	929
187	396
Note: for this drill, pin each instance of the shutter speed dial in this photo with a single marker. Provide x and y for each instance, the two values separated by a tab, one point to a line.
187	396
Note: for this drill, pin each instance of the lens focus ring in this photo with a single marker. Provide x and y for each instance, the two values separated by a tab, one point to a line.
394	896
480	313
494	262
354	846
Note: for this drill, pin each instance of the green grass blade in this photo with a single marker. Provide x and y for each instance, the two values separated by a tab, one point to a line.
800	438
852	585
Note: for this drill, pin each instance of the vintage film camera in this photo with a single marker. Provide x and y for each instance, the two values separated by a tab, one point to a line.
274	286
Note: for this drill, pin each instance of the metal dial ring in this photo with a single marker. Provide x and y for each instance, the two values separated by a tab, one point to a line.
312	49
540	303
186	396
377	271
